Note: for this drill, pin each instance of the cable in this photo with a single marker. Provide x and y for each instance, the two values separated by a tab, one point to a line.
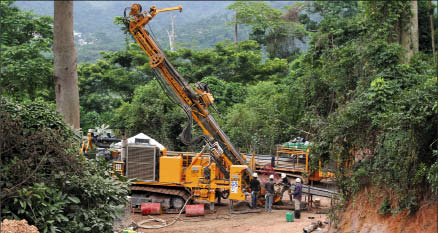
164	223
153	37
224	216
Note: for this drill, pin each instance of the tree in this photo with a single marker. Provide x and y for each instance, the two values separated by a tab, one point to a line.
26	66
153	113
266	117
236	62
269	27
409	33
104	85
432	29
400	23
225	94
45	181
235	27
65	63
362	101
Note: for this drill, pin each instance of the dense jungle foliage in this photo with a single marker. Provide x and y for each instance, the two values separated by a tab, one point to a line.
44	181
353	93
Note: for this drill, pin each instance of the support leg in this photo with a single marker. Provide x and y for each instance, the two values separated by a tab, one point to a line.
219	196
231	205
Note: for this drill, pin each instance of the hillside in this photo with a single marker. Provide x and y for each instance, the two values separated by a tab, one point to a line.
200	25
362	215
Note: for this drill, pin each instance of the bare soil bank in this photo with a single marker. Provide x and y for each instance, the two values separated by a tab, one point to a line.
361	216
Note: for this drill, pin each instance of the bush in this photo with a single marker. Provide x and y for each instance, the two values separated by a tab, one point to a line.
385	207
45	181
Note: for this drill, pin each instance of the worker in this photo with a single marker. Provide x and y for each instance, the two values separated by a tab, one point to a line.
269	187
286	187
254	184
273	161
297	197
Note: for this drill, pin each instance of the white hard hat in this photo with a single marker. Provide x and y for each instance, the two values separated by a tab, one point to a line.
254	174
298	180
283	175
271	177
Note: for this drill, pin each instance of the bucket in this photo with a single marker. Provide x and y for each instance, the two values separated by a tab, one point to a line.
194	210
151	208
289	216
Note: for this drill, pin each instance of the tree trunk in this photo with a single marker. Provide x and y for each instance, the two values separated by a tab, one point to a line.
414	26
409	34
235	29
65	63
432	30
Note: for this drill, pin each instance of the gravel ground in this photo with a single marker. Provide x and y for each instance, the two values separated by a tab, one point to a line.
222	221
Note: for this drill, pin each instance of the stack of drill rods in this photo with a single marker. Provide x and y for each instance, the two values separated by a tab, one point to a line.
317	191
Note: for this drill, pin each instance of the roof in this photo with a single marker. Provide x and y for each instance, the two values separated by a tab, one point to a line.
142	136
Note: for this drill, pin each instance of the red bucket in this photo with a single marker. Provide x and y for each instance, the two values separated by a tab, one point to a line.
194	210
151	208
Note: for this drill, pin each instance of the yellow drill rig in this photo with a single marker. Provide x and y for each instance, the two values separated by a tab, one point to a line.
218	171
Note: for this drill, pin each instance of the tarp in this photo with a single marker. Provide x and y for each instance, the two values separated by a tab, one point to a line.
142	136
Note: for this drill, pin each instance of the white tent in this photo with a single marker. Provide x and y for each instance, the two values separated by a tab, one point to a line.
142	136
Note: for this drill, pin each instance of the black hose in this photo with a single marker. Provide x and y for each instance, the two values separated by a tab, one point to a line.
102	145
108	140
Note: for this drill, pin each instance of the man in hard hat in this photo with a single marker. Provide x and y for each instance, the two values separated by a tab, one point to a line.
269	196
297	197
286	187
254	184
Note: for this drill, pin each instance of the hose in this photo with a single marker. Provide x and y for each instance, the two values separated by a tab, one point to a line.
164	223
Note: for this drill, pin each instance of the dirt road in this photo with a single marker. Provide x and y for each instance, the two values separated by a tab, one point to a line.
223	221
254	222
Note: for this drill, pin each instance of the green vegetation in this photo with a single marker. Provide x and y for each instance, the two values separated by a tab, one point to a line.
362	96
26	73
44	180
271	27
353	93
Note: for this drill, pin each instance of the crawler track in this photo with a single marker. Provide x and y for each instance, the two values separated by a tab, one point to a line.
162	190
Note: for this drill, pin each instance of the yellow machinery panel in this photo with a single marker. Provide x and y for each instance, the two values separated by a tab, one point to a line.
171	169
236	172
196	172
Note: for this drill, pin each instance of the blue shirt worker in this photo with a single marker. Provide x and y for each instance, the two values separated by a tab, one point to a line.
297	197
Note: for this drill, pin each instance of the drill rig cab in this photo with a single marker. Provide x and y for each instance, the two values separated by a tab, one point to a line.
218	171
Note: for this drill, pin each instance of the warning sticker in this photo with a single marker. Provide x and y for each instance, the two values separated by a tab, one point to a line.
234	186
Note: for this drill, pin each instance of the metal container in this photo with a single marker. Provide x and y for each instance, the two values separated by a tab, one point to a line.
151	208
194	210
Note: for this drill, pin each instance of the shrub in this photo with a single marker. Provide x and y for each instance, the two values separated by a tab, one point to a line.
45	181
385	207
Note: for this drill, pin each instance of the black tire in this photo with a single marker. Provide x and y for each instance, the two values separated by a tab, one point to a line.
177	202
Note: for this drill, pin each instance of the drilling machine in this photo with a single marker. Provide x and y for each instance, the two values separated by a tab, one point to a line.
218	171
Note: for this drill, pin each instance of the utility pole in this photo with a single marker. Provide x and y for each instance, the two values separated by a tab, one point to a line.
171	34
